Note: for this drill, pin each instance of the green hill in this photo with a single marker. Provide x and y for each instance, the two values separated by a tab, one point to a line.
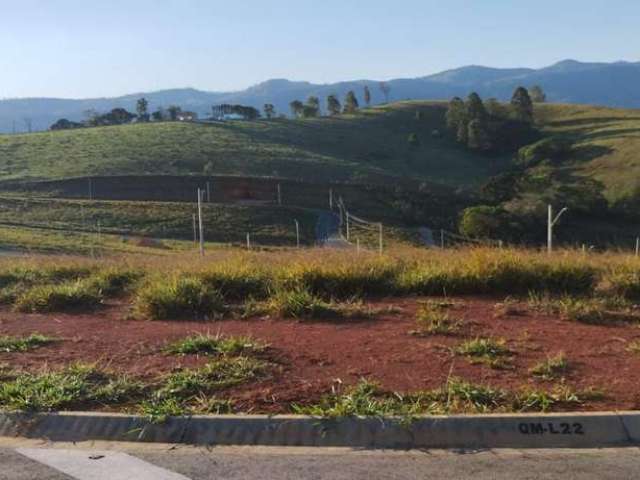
369	146
586	160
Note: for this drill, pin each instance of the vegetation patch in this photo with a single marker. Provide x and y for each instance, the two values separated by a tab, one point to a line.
205	344
24	344
551	368
435	321
179	297
634	347
77	295
367	399
491	352
78	386
300	303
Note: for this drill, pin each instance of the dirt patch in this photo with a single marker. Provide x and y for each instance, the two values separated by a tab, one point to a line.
313	355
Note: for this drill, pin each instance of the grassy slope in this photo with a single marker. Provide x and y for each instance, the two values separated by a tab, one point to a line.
607	141
366	145
223	223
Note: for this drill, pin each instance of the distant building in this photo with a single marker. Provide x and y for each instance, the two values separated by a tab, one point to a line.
187	116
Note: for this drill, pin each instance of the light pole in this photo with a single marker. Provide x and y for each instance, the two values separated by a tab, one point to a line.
551	221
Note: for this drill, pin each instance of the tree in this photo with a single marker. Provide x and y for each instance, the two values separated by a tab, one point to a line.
385	88
142	109
475	107
158	115
173	111
496	110
521	105
367	96
269	110
333	105
297	108
483	221
478	137
456	114
91	117
537	94
462	132
312	107
65	124
350	102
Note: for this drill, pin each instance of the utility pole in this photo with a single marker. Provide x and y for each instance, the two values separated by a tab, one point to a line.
200	227
297	234
551	221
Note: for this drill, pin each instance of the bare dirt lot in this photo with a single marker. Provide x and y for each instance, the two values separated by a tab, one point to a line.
311	356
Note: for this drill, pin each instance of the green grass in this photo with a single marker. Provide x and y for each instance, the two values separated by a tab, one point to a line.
551	368
432	320
24	344
128	220
367	399
215	375
78	295
214	345
371	144
489	351
78	386
178	297
299	303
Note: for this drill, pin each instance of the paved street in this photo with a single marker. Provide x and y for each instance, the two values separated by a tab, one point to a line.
31	460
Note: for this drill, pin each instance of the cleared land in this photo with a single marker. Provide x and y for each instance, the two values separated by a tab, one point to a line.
327	333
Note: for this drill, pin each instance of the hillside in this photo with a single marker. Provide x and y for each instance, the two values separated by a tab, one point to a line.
370	146
569	81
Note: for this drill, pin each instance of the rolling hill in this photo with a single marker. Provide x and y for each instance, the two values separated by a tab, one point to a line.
569	81
366	157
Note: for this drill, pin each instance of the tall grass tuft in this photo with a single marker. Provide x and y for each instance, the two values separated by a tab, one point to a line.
179	297
78	295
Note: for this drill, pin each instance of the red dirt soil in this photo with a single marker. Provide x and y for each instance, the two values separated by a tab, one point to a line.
312	355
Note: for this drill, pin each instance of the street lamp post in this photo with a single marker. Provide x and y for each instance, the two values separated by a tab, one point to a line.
550	224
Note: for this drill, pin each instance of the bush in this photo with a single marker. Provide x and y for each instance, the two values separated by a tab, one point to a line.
553	149
179	298
59	298
239	283
483	222
298	303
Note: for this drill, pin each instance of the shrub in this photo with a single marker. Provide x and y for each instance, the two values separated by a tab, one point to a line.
179	297
78	295
298	303
485	350
238	283
113	281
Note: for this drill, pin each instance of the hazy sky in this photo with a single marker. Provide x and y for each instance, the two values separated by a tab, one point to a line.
81	48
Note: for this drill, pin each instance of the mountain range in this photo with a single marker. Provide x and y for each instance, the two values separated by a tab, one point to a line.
609	84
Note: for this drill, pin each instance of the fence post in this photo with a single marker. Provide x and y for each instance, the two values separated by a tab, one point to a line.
208	193
248	242
380	228
279	195
637	246
442	238
331	199
297	234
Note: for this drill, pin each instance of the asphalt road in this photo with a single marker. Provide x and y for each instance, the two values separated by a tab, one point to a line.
30	460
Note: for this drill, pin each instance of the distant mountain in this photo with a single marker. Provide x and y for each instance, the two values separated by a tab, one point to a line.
612	84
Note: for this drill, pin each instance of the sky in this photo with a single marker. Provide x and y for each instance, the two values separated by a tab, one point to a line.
102	48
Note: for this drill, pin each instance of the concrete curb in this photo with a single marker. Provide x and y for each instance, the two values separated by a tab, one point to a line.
571	430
